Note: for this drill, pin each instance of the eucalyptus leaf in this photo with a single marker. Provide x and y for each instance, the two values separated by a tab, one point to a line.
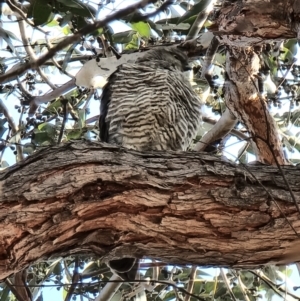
5	293
74	134
123	37
143	28
42	138
76	7
195	10
89	268
41	12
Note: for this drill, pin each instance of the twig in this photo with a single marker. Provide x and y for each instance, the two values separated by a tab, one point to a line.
38	100
242	286
14	128
191	282
55	62
65	114
75	280
14	7
222	127
199	22
76	37
14	289
227	285
276	288
31	53
209	57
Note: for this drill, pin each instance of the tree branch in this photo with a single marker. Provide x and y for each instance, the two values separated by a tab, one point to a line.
182	208
72	39
14	129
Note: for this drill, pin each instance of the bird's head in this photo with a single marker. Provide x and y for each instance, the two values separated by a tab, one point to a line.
171	55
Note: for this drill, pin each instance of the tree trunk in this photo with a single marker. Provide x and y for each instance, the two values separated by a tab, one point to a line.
183	208
244	26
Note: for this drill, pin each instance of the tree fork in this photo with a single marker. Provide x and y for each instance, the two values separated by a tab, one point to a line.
181	208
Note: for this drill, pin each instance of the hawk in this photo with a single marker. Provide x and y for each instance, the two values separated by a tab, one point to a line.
149	105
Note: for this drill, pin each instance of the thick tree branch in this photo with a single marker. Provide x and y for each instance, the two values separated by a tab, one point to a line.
181	208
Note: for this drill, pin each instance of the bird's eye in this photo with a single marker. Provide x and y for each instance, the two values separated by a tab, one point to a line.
176	57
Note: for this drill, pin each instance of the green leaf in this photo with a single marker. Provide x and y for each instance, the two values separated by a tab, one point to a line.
195	10
292	46
123	37
82	118
48	127
29	148
53	23
52	107
90	267
66	30
4	294
41	12
68	56
11	35
42	138
54	268
74	134
44	134
134	43
142	28
76	7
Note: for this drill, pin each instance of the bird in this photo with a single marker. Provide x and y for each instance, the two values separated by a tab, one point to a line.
149	105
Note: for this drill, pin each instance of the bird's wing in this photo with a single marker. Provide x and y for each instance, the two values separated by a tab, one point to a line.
148	108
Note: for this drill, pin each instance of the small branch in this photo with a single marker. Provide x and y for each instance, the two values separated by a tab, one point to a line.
223	126
242	286
55	62
14	129
225	279
38	100
210	55
110	289
76	37
191	282
65	114
199	22
14	7
14	290
75	280
31	53
275	287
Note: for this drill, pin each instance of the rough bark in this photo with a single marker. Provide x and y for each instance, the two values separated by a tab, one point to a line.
246	103
243	25
250	23
177	207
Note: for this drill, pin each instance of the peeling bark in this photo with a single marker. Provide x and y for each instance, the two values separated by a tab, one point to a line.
245	102
184	208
